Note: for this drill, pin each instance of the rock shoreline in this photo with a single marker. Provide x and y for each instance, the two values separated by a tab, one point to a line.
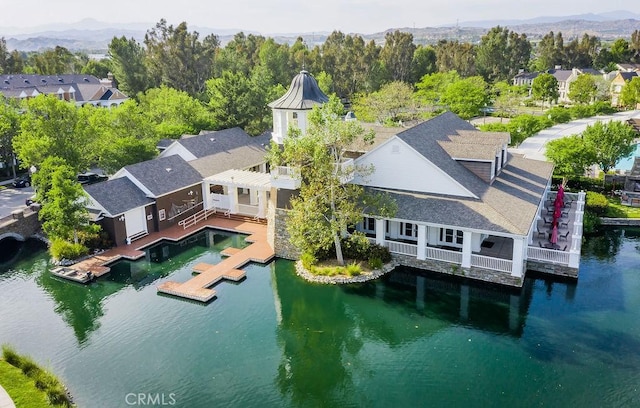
340	280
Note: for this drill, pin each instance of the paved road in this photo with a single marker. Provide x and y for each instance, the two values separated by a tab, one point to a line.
13	199
534	146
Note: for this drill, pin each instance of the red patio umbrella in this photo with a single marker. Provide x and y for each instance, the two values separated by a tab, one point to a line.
554	234
561	192
557	213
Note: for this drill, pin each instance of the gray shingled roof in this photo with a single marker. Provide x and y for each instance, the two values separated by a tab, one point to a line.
87	87
424	139
304	93
509	205
560	74
627	76
165	174
470	150
238	158
221	141
118	195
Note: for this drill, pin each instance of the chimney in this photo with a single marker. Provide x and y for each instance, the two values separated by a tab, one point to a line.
557	67
108	81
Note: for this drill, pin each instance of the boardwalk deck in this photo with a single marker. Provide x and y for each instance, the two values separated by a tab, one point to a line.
197	288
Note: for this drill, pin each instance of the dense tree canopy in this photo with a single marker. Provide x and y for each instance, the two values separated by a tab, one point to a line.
545	88
630	96
609	142
128	66
583	89
501	53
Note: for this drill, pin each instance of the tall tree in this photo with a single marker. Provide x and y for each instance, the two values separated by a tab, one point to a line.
549	52
128	66
620	50
501	53
432	86
9	128
545	88
456	56
584	89
397	55
630	95
4	56
466	97
392	103
569	155
240	54
178	59
610	141
634	46
325	207
64	214
423	63
174	112
56	61
49	127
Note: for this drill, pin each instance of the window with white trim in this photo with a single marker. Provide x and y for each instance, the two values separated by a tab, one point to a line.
162	215
451	236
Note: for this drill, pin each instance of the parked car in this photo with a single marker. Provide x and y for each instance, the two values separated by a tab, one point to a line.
91	178
22	181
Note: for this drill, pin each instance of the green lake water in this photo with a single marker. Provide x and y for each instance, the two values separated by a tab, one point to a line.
410	339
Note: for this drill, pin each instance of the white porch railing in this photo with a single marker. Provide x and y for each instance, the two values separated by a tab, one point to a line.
495	264
196	218
548	255
402	248
443	255
220	201
285	177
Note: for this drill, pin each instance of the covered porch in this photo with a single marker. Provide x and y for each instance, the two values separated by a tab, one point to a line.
237	192
466	248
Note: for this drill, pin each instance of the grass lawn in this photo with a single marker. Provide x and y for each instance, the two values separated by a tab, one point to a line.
21	388
617	210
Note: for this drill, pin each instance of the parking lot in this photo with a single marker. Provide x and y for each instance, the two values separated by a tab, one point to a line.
13	199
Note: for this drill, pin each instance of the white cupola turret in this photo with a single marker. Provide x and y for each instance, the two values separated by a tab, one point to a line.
292	108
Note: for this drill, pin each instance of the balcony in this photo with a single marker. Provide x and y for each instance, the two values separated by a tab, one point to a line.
285	177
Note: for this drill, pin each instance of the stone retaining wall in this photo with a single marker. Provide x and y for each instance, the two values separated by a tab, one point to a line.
338	280
552	269
622	222
487	275
281	243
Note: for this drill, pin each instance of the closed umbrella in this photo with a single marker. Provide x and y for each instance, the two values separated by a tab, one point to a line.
554	234
557	214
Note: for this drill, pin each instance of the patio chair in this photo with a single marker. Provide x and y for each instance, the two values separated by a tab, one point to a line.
540	243
541	233
564	236
565	248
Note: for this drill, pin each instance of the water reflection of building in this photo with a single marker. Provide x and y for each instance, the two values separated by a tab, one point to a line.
461	301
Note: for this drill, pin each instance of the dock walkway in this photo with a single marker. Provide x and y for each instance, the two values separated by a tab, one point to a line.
197	288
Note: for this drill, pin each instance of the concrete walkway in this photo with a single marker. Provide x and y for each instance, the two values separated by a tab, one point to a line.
5	399
534	147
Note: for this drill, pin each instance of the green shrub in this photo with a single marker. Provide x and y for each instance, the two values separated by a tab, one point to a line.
58	396
379	252
308	261
590	223
356	246
580	111
596	203
10	356
353	269
29	367
375	263
61	249
559	114
602	108
494	127
523	126
45	380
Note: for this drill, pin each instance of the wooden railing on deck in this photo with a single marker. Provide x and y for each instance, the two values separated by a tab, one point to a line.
196	218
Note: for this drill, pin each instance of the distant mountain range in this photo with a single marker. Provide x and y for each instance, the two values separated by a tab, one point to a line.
93	36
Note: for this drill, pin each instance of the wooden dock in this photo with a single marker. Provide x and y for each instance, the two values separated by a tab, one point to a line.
199	287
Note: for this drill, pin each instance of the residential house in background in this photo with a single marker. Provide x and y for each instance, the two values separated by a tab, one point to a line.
618	83
78	88
525	78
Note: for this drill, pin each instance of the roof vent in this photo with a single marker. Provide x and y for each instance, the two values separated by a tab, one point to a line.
168	169
86	79
26	81
213	139
60	80
6	81
44	81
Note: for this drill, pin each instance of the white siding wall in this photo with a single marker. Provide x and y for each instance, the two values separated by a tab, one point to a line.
398	166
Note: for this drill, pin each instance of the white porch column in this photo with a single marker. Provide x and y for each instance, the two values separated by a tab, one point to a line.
262	203
253	197
466	249
518	256
380	232
422	241
233	199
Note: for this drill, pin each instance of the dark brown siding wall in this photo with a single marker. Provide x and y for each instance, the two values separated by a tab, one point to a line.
177	198
480	169
116	230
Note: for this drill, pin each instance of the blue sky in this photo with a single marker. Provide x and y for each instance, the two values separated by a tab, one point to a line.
274	16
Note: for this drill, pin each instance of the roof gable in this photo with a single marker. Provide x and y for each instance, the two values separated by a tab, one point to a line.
117	196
